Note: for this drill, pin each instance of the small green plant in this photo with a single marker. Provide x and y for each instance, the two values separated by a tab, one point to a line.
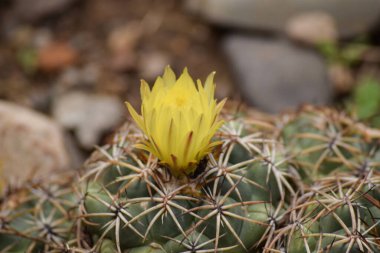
347	55
27	58
365	101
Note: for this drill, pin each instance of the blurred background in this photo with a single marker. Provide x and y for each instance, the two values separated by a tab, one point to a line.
67	66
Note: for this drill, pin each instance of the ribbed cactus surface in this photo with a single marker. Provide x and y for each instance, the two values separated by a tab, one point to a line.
302	182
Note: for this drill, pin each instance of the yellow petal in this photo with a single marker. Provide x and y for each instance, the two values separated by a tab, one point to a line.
138	119
169	76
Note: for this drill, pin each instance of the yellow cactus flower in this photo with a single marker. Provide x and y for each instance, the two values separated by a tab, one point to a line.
179	120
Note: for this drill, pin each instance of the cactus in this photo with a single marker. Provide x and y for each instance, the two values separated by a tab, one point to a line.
299	182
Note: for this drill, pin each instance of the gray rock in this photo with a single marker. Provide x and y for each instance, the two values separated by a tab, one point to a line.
31	145
276	75
89	115
351	16
32	10
73	78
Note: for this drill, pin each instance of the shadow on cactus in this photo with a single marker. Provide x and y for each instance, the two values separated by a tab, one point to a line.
182	178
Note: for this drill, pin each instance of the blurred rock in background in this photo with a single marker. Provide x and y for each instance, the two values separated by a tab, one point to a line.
352	17
89	115
31	144
312	28
38	9
275	75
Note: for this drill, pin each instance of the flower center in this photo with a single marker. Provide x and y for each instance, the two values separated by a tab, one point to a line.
177	98
180	101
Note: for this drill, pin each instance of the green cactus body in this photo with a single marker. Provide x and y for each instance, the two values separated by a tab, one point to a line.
303	182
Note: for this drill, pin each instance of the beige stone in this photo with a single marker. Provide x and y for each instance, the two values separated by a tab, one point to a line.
312	28
31	145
